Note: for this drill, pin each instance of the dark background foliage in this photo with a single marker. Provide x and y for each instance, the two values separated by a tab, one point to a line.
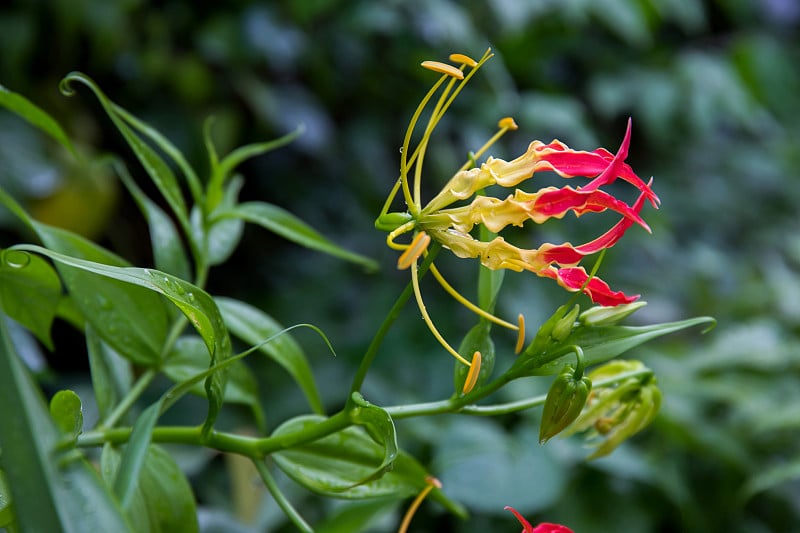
714	91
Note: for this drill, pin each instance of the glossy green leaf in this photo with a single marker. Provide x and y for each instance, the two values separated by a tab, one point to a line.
130	468
601	344
189	357
159	172
169	253
253	326
51	492
337	464
67	412
287	225
198	307
111	374
163	501
34	115
130	319
380	427
30	292
332	466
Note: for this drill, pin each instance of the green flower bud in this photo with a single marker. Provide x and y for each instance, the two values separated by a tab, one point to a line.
608	316
477	339
565	401
563	327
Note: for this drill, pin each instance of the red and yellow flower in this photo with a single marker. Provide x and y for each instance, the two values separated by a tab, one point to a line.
446	219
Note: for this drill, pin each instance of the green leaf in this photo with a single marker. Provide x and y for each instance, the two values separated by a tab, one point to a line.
51	492
6	507
338	464
163	501
169	253
168	148
769	478
603	343
359	515
35	116
380	427
334	465
159	172
130	319
67	412
198	307
253	326
111	374
130	468
30	292
224	234
189	357
220	170
285	224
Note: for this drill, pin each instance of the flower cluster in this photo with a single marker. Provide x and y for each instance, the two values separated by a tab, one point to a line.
442	221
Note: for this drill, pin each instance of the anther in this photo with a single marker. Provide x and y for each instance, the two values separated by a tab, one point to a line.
461	58
414	250
507	123
472	375
520	333
443	68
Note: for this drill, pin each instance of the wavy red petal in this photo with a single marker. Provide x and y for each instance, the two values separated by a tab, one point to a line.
558	202
573	278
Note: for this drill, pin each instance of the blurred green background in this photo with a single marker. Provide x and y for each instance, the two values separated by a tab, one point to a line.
714	92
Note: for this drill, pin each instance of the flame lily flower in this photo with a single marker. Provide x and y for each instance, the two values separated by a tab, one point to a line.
440	221
544	527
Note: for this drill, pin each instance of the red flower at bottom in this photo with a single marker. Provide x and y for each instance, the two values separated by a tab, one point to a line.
544	527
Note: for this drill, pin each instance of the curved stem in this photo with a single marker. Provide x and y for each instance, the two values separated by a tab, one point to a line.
391	316
280	499
127	402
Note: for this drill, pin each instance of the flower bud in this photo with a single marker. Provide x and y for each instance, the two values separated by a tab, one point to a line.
563	327
608	316
565	401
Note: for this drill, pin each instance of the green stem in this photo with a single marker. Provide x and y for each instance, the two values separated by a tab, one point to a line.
394	312
219	440
280	499
122	407
464	405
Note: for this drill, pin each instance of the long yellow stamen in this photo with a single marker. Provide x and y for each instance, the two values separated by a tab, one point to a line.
466	303
427	318
521	334
405	228
474	372
431	483
439	110
414	250
405	160
505	124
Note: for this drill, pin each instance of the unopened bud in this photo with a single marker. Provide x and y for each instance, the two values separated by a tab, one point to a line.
608	316
563	327
565	401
